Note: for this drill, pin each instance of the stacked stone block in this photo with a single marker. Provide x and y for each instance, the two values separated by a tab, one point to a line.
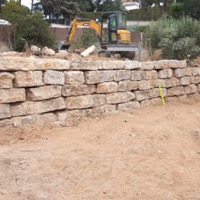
49	91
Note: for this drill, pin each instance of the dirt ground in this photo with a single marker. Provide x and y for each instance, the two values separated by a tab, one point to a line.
146	154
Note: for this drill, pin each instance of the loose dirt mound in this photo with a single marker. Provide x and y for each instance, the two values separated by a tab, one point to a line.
147	154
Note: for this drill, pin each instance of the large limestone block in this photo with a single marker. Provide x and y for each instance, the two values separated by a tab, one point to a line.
74	78
107	87
183	63
176	91
107	108
147	65
16	64
185	80
129	64
191	89
12	95
109	64
87	101
83	65
40	120
128	85
54	77
159	64
122	75
182	72
93	77
129	106
44	92
5	111
195	79
120	97
199	87
151	75
138	75
148	94
171	64
6	80
28	79
162	83
146	85
31	64
29	107
151	102
165	73
77	90
51	64
172	82
196	71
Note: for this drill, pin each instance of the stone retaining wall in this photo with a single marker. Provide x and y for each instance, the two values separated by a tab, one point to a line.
53	91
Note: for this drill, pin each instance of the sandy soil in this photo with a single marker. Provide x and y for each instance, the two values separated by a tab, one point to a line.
147	154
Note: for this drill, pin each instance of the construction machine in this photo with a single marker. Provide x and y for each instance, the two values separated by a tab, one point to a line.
111	31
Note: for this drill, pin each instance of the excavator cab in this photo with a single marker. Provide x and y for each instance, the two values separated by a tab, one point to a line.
115	22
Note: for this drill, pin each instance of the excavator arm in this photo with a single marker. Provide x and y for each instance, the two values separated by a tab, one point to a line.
84	23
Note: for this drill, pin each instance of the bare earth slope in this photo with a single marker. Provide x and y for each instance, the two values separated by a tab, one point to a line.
147	154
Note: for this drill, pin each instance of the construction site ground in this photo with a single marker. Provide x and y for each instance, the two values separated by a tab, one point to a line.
147	154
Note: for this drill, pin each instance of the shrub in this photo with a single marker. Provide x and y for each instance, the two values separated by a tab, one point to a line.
178	38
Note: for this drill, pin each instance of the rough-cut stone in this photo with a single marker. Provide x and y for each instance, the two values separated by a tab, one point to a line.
28	79
48	51
147	65
30	64
172	82
41	120
84	65
138	75
51	64
104	109
77	90
93	77
6	80
148	94
107	87
151	102
109	64
165	73
173	64
12	95
120	97
74	78
128	85
183	63
195	79
129	64
191	89
54	77
151	74
87	101
195	71
66	117
44	92
122	75
145	85
182	72
161	81
88	51
129	106
29	107
176	91
5	111
185	80
159	64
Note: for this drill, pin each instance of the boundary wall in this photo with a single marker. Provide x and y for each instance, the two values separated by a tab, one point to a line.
55	91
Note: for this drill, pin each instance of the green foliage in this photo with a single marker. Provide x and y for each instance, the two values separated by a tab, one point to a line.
178	38
85	39
108	5
177	10
192	8
31	28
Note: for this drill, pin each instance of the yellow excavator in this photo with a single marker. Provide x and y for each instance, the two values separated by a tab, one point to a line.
112	33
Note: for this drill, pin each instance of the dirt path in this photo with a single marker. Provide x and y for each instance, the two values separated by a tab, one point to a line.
148	154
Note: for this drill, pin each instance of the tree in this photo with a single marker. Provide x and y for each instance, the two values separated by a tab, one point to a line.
192	8
108	5
27	26
86	5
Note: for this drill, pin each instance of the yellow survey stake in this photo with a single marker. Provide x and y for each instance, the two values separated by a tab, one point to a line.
161	94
